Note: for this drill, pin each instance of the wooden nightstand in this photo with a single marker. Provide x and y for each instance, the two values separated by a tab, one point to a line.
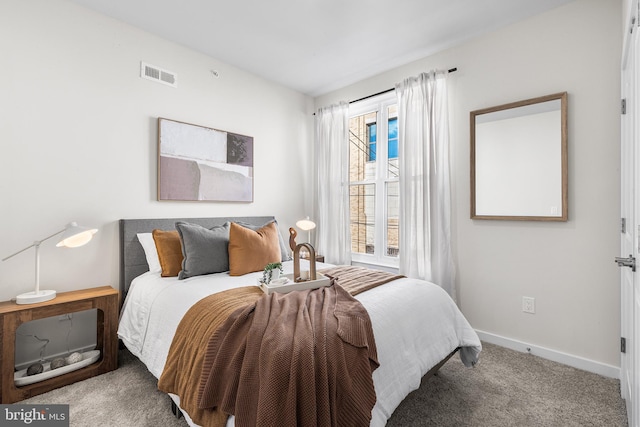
104	299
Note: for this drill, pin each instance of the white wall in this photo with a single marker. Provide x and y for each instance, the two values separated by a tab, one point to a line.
567	267
78	137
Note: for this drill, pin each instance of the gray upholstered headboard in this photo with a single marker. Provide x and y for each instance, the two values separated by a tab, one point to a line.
132	259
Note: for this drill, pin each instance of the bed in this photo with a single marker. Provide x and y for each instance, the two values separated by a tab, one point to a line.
416	325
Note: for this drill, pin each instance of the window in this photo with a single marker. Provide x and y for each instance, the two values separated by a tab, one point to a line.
373	181
371	137
393	138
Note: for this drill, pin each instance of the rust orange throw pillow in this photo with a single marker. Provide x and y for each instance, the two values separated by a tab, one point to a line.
250	250
169	251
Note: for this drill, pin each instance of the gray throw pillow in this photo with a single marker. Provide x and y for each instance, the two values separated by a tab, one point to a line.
284	248
205	250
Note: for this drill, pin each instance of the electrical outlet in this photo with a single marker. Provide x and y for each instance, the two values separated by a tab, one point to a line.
529	305
64	317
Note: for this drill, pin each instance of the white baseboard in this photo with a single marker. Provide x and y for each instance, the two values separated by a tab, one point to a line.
553	355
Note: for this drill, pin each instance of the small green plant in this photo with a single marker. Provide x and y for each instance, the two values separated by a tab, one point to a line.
267	273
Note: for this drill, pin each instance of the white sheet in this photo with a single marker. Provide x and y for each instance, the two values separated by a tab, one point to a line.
415	324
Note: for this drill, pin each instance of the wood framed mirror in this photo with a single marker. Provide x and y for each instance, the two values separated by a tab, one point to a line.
519	160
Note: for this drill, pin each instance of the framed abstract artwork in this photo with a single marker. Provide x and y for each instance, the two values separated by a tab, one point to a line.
197	163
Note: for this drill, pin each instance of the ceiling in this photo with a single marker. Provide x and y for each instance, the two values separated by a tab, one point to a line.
316	46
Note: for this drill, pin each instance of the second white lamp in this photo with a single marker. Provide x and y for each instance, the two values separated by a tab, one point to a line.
306	225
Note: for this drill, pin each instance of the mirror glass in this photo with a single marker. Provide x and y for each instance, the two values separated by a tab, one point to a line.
519	160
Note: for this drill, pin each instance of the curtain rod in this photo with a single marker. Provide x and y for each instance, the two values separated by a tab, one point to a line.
450	70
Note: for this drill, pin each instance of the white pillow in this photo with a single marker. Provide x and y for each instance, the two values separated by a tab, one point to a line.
150	251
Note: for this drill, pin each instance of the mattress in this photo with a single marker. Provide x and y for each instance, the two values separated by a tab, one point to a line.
415	323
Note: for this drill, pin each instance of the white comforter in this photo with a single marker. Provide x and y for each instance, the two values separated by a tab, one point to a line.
415	324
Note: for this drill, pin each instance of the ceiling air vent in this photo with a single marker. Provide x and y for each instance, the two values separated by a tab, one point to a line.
157	74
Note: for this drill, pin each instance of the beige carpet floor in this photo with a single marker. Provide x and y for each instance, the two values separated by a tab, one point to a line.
509	388
506	388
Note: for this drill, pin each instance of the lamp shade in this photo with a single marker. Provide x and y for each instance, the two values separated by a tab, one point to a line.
75	236
306	224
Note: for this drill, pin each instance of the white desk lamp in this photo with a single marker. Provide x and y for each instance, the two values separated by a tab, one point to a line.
73	236
306	225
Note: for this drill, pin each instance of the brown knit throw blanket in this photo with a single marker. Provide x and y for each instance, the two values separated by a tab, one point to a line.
303	358
183	367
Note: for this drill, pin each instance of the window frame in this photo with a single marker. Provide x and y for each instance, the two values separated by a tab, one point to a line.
381	104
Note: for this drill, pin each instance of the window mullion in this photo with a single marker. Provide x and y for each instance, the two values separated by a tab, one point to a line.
381	201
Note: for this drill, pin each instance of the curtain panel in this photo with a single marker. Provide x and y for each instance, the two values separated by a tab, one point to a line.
332	154
423	155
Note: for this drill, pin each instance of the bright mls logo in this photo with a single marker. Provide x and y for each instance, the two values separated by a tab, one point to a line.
34	415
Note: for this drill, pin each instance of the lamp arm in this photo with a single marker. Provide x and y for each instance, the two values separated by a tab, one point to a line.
36	244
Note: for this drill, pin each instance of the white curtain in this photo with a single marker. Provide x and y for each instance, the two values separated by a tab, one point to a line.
423	138
332	154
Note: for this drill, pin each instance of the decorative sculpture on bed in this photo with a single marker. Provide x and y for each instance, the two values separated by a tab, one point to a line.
292	238
296	262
